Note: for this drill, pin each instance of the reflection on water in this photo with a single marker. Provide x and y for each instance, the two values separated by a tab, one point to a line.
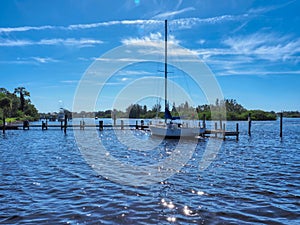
46	179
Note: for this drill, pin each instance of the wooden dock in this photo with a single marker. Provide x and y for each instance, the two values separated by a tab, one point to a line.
222	132
81	126
216	133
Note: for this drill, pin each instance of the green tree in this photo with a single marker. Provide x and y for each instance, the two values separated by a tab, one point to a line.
5	105
23	93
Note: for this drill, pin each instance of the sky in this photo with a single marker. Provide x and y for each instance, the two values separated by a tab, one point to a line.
252	49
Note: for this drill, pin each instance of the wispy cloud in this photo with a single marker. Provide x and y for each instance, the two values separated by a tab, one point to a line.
79	26
154	44
67	42
190	22
266	9
70	81
182	22
173	13
257	46
111	23
30	60
154	39
44	59
133	73
267	46
25	28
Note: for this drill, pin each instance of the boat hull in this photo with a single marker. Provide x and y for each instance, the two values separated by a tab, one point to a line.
176	132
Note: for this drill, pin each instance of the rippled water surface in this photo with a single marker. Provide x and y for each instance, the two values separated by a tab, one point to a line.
46	178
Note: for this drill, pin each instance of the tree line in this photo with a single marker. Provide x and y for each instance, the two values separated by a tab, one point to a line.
234	111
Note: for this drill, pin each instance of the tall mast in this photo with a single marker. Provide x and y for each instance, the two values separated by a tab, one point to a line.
166	67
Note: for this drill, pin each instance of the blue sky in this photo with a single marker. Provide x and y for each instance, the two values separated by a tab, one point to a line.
252	47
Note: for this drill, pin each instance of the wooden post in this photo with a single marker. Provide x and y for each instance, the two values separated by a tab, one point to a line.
220	124
43	125
61	125
3	120
142	124
82	123
66	123
281	116
224	132
101	125
237	131
26	125
216	127
136	125
249	124
204	120
115	118
122	125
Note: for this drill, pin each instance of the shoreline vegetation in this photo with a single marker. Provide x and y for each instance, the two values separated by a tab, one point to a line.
16	107
234	112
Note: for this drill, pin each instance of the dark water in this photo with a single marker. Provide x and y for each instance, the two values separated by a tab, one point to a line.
46	180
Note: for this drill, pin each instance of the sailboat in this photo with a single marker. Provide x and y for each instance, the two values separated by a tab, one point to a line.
171	128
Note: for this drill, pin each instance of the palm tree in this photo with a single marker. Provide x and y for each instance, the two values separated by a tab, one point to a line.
22	92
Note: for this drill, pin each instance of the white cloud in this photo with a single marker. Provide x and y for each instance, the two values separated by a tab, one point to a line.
201	41
190	22
154	39
267	46
13	43
80	26
133	73
69	81
182	22
44	59
58	41
30	60
173	13
25	28
262	10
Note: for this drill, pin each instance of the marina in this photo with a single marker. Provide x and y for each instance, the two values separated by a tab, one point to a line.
212	131
45	179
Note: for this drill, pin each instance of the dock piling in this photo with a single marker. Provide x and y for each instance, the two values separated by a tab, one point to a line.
82	124
3	120
216	127
224	132
249	124
101	125
66	124
237	131
142	124
115	119
122	124
280	133
44	125
26	125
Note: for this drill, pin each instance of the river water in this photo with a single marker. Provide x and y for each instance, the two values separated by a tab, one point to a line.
48	177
